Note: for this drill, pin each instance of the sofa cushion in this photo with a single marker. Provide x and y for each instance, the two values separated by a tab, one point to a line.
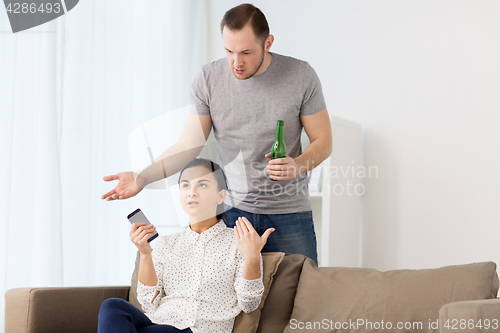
279	302
248	322
244	322
362	299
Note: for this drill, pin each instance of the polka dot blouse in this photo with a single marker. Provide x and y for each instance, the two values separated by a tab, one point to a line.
200	281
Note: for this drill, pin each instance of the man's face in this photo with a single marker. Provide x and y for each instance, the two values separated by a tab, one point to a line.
245	53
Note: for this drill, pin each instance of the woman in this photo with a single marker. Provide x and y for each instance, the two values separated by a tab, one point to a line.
197	280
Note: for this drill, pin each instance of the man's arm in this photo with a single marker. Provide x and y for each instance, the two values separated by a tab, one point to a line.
189	145
193	137
319	131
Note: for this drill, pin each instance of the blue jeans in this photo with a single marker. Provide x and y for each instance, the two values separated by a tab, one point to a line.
120	316
294	233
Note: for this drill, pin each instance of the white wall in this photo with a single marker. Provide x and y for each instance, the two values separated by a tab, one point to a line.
423	79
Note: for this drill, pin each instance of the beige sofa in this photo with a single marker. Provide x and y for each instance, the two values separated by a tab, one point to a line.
301	297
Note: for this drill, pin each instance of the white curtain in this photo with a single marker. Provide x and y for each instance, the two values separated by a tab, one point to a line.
71	92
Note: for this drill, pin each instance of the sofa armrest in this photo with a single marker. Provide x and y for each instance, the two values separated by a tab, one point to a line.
65	309
470	316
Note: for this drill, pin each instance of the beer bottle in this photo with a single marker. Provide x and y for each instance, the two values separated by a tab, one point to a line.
278	150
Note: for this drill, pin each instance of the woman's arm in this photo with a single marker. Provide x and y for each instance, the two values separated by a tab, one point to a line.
251	268
249	286
147	273
148	286
139	235
248	292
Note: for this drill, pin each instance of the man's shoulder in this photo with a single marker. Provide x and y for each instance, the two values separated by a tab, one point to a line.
291	64
215	67
282	57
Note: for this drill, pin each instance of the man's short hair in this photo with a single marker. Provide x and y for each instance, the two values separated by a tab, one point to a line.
237	17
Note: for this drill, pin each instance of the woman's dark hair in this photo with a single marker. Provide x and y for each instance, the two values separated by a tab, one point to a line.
237	17
219	176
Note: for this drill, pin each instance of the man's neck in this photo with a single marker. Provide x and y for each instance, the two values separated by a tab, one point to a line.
265	64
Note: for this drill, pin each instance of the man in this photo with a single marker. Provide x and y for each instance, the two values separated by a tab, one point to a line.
242	97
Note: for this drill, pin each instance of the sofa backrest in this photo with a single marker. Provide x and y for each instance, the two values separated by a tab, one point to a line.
132	298
303	293
330	298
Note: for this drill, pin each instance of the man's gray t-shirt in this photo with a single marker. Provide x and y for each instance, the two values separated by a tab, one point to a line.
245	113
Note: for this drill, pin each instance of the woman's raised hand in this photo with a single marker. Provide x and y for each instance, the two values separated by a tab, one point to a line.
139	235
248	240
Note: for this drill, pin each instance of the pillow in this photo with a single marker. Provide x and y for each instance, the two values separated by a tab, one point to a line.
248	322
244	322
330	296
277	310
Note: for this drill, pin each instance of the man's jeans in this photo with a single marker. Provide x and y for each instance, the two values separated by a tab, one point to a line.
294	233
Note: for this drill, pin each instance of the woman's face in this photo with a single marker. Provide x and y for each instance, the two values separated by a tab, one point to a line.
200	193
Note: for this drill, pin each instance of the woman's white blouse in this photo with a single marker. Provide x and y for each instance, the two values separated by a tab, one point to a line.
200	281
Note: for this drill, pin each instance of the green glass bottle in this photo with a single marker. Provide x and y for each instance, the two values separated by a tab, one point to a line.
278	150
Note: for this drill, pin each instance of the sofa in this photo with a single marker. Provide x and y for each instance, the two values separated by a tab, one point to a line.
302	297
